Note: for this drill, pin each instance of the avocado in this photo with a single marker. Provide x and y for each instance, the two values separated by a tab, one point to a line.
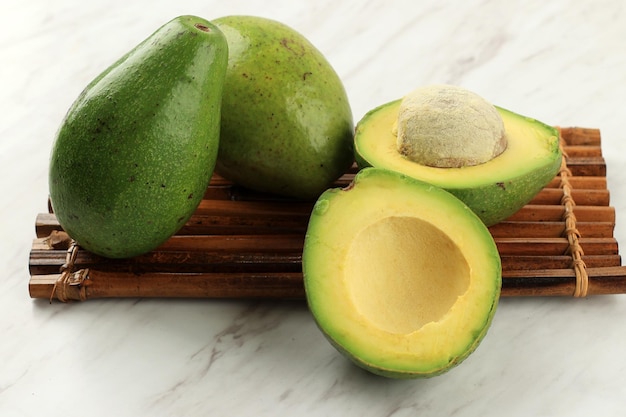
136	150
494	189
287	125
400	275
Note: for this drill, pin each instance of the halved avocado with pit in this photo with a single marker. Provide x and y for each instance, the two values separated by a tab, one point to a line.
400	275
495	189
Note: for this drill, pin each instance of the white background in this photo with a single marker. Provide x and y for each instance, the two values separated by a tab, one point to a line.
561	62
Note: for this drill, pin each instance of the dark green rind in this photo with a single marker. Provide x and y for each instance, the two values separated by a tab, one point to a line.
287	125
136	150
499	199
312	238
407	374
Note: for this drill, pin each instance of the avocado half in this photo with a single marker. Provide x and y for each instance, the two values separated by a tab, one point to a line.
495	189
400	275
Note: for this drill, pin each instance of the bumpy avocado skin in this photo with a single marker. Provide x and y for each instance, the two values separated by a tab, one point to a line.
136	150
287	125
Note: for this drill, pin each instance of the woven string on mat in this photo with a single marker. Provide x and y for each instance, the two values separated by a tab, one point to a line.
571	231
69	278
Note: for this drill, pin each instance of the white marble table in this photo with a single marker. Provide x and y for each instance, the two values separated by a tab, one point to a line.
561	62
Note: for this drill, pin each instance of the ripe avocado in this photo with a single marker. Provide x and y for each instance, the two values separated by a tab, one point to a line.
136	150
287	125
400	275
494	189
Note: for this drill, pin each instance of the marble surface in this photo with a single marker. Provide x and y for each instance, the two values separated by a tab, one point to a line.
561	62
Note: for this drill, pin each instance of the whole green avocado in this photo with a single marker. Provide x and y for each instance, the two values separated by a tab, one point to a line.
136	150
287	125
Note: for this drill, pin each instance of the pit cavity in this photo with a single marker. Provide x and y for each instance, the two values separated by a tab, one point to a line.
403	272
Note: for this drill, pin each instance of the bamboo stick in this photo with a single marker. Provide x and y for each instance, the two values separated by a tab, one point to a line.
532	212
229	254
554	246
277	285
582	183
235	243
587	166
538	262
561	282
232	217
582	197
582	150
577	136
254	208
104	284
48	262
535	237
542	229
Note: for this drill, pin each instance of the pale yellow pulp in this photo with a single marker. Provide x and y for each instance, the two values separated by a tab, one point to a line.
415	276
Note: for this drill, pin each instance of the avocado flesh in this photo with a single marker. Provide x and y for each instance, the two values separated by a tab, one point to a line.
136	150
495	189
287	125
400	275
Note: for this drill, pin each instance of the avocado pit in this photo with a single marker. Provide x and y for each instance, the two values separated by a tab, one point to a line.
448	126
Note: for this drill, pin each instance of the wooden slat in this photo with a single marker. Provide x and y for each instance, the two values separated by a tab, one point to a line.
280	285
583	197
543	229
238	221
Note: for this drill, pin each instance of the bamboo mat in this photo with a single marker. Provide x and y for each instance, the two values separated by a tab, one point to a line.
241	244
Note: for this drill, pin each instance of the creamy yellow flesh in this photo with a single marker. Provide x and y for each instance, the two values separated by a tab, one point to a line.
400	279
522	154
415	276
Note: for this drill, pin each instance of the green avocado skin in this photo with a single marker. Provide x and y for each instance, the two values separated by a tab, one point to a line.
287	125
136	150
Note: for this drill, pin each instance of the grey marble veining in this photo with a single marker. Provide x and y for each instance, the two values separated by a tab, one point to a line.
561	62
